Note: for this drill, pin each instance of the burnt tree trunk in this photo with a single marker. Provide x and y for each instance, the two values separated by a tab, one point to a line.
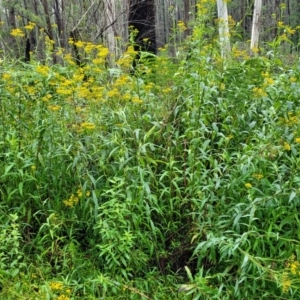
142	18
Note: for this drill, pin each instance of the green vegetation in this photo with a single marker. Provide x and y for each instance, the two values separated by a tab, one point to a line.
178	180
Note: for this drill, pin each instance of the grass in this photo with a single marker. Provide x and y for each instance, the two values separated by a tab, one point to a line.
176	181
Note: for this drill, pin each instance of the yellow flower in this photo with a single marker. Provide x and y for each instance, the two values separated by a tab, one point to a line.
126	97
293	79
290	30
72	201
103	51
294	266
166	90
63	297
17	32
46	98
286	282
43	70
30	26
88	125
79	193
89	47
297	140
64	91
113	93
80	44
68	291
268	81
282	6
181	26
56	285
259	92
248	185
54	107
257	176
283	37
286	146
6	76
136	100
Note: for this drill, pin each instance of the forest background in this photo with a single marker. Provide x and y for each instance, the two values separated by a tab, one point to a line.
137	161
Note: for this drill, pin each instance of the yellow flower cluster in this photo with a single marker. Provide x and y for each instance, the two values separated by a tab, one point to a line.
30	26
74	198
113	93
291	270
127	59
63	297
259	92
292	119
54	107
136	99
6	76
237	53
72	201
167	90
286	146
231	22
56	286
267	79
88	126
59	288
286	28
42	70
122	81
47	97
181	26
294	267
203	6
17	32
81	90
257	176
248	185
285	282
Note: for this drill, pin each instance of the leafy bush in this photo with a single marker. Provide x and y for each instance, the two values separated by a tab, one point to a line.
176	180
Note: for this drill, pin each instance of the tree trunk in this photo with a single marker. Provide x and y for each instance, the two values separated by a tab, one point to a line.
110	15
223	28
49	30
255	26
59	18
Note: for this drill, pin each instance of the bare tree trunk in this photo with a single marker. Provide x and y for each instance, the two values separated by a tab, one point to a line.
58	13
12	18
255	26
48	19
49	29
162	23
223	28
110	15
187	17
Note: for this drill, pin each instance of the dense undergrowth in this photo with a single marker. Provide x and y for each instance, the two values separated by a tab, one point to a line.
179	180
